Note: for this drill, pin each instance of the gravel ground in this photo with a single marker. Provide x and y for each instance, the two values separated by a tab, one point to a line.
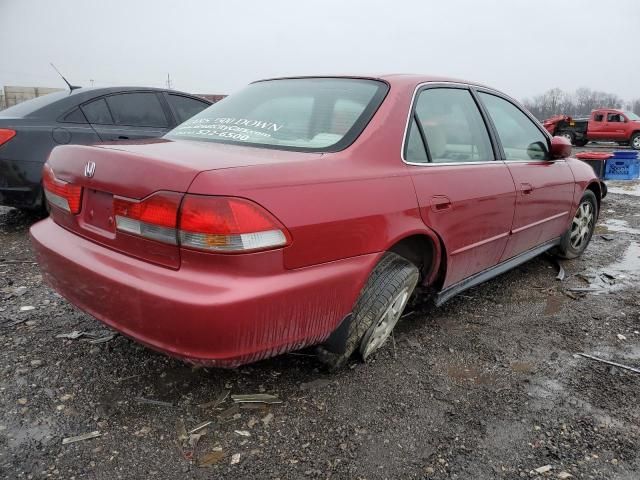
487	386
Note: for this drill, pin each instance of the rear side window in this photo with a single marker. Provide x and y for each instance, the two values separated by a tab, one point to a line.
186	107
75	116
520	138
97	112
137	110
305	114
452	125
415	150
614	117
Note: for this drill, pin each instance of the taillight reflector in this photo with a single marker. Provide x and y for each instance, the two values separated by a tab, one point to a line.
6	134
59	193
222	224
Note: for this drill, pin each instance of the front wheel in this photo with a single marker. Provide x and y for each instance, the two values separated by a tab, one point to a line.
635	141
377	310
576	239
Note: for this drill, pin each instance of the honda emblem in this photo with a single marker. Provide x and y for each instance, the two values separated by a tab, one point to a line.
89	169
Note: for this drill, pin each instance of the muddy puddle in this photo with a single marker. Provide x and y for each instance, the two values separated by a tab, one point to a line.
625	188
623	273
615	225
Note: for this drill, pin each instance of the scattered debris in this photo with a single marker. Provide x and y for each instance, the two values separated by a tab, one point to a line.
256	398
561	273
242	433
564	474
150	401
229	412
95	337
200	426
614	364
315	384
27	308
80	438
607	238
543	469
211	458
235	458
16	322
194	438
218	401
570	295
254	406
621	337
266	420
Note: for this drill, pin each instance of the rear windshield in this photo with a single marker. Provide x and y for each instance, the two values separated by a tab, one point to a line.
307	114
30	106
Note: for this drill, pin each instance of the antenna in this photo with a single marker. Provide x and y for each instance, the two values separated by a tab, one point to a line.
71	87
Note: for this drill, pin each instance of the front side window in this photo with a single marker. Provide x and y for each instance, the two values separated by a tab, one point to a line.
137	110
452	126
520	138
598	117
308	114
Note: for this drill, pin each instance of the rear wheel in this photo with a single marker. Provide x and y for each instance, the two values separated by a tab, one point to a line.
576	239
569	136
635	141
581	143
377	310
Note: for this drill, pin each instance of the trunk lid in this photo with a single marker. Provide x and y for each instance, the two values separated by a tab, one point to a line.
135	170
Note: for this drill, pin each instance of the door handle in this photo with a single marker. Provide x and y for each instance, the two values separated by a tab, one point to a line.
123	137
440	203
526	188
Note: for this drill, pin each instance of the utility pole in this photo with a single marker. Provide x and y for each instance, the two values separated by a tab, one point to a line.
168	82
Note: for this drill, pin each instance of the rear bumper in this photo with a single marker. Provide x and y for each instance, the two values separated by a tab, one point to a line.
20	183
245	309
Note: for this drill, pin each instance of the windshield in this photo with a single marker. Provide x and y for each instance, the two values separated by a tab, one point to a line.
26	108
308	114
632	116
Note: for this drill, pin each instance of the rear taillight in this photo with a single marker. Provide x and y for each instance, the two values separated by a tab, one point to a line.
223	224
6	134
228	225
59	193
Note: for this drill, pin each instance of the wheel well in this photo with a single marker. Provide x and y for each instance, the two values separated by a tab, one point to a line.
419	250
597	191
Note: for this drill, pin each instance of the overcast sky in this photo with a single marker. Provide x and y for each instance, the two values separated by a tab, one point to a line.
522	47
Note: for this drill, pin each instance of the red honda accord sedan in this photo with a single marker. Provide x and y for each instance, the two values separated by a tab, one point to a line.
305	211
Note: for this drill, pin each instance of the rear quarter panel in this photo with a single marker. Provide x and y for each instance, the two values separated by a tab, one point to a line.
336	205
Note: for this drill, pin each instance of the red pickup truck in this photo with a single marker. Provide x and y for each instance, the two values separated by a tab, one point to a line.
604	124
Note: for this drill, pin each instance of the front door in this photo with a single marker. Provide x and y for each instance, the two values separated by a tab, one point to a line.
464	194
544	187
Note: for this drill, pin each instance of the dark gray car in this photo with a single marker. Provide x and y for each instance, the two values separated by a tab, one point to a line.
82	116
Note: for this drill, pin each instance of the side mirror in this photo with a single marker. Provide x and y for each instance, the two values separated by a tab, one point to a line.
560	148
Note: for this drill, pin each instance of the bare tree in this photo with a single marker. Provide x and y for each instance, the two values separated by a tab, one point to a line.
578	104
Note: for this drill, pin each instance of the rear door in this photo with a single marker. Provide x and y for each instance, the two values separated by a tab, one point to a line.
464	194
544	187
615	126
128	115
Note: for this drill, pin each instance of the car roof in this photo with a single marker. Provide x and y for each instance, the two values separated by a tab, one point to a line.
407	79
54	104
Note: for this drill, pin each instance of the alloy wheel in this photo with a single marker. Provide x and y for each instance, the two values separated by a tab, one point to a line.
582	225
382	330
